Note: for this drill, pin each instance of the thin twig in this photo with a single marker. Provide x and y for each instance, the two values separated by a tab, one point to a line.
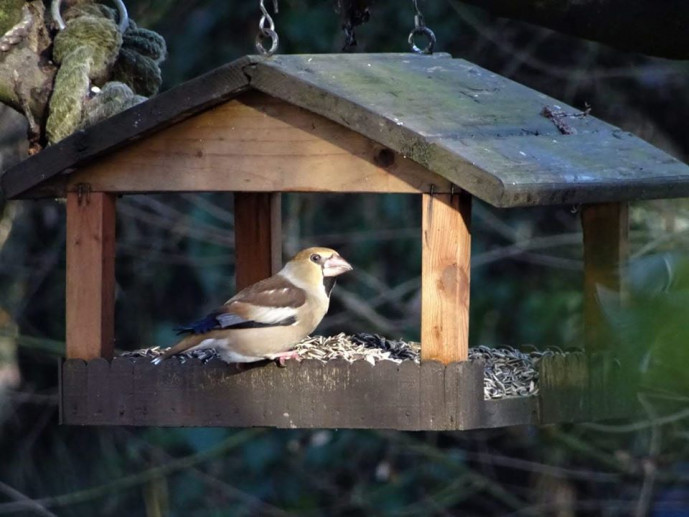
123	483
638	426
30	504
491	487
229	490
650	470
542	468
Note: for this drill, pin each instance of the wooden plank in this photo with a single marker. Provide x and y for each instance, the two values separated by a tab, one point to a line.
409	396
90	276
99	390
445	277
477	129
606	229
257	143
158	112
121	388
73	389
469	394
541	169
471	127
563	385
257	236
432	394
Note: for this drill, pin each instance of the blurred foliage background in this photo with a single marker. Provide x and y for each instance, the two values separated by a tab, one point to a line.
175	261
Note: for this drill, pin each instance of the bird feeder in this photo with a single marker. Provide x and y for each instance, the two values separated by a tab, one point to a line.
443	129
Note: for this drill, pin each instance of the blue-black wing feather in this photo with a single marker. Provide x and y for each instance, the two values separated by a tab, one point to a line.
223	320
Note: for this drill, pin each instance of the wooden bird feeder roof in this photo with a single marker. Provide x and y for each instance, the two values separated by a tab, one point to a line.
439	127
473	128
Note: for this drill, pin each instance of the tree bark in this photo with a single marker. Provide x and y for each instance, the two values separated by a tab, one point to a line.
652	27
26	74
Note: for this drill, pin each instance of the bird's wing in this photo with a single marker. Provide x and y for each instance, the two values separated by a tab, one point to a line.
270	302
276	291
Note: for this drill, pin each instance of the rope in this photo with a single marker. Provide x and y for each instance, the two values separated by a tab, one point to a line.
102	70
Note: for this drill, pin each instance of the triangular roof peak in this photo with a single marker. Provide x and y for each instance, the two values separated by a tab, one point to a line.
479	131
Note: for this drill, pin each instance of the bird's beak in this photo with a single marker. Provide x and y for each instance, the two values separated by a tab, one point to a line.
335	266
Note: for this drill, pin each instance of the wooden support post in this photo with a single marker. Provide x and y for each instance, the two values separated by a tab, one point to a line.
445	277
606	229
90	303
257	236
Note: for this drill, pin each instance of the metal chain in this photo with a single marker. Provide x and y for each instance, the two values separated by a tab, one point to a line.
121	8
266	29
420	29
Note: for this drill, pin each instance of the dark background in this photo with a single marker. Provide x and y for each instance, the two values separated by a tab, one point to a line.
175	261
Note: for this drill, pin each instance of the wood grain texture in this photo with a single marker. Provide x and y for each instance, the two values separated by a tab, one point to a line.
257	144
90	277
257	236
564	385
445	277
466	124
158	112
606	246
335	395
477	129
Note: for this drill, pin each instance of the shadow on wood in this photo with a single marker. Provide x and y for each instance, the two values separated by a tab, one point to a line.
309	394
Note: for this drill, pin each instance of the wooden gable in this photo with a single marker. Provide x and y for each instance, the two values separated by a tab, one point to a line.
256	143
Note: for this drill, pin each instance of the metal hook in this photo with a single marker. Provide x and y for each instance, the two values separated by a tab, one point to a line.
121	9
267	31
420	29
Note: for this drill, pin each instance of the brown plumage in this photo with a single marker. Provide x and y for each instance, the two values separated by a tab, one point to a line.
266	319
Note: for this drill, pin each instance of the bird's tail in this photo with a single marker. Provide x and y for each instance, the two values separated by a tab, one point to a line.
185	344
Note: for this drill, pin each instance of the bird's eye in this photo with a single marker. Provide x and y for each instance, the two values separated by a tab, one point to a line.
316	258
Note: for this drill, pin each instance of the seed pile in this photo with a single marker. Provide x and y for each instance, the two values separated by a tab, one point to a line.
369	347
508	372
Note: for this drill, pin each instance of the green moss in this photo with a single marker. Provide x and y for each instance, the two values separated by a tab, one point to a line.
10	14
99	35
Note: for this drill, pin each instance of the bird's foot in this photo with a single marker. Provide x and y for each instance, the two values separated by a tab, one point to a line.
282	358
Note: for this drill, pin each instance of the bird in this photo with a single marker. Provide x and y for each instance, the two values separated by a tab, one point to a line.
266	319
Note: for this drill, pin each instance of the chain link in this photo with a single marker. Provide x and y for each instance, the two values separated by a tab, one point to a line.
266	30
121	8
420	29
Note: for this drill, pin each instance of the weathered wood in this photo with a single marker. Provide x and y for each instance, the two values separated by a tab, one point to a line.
257	236
90	276
445	276
305	395
100	389
469	393
335	395
471	127
73	381
477	129
563	382
606	246
158	112
257	143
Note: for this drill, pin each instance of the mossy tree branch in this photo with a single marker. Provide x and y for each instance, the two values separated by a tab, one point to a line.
26	74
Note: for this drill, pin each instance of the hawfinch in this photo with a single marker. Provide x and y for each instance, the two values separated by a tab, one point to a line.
266	319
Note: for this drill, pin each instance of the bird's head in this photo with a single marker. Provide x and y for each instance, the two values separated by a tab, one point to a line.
315	266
